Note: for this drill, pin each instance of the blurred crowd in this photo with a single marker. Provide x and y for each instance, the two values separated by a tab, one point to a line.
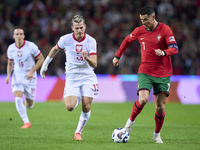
109	22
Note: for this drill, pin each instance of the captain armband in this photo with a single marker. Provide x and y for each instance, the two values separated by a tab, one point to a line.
173	45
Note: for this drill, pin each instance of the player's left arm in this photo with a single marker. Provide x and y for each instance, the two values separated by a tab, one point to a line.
10	66
40	60
92	59
171	42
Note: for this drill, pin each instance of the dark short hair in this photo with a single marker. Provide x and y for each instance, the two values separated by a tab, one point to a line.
147	10
18	27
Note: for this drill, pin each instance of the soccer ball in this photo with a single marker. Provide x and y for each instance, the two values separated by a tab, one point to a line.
120	135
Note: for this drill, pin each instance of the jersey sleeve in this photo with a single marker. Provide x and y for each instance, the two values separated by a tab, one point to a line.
9	54
35	50
126	42
60	43
93	47
171	42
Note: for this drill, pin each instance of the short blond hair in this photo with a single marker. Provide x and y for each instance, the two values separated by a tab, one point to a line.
78	19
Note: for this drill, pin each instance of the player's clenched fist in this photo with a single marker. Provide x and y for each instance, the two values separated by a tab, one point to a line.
115	61
84	54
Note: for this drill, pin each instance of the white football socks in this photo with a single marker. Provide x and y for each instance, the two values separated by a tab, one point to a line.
21	109
82	121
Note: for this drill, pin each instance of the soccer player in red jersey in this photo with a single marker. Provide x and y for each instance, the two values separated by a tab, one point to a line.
157	45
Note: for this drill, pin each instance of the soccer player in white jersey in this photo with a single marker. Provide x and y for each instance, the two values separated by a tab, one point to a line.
81	81
21	60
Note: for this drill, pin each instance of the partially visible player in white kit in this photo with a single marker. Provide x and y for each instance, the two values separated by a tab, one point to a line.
21	60
80	49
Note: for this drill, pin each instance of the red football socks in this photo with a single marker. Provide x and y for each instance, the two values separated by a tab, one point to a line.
137	108
159	119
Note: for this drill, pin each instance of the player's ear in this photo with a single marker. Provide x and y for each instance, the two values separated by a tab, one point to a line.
72	28
153	16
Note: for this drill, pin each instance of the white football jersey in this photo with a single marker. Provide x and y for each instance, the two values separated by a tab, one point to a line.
24	60
75	63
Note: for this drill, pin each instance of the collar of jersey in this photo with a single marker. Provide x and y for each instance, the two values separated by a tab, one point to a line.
20	46
81	39
153	29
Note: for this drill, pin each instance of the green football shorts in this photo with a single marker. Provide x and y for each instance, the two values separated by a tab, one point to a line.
159	84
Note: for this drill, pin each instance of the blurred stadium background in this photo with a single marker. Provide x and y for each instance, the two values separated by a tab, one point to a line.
109	22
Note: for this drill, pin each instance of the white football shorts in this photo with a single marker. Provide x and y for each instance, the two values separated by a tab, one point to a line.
28	90
87	85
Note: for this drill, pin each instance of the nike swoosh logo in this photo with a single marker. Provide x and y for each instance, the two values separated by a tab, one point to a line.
142	38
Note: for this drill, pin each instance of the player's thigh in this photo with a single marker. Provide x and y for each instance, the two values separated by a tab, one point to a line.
143	96
161	85
144	82
70	101
18	93
18	90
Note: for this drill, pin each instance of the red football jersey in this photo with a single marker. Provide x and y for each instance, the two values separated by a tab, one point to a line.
160	38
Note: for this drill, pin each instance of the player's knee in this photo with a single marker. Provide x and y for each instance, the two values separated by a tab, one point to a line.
143	101
86	108
160	109
69	108
29	106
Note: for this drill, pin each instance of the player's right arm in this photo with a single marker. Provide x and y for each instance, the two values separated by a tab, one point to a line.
9	70
53	51
126	42
48	59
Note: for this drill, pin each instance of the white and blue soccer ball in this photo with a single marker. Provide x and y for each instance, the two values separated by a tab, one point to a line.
120	135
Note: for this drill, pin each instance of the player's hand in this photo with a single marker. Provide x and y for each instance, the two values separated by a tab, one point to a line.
115	61
43	70
29	76
7	79
159	52
84	54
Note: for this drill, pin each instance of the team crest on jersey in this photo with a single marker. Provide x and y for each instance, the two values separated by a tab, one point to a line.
19	53
79	48
159	37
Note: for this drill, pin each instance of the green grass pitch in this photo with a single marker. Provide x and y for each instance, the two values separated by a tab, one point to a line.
53	127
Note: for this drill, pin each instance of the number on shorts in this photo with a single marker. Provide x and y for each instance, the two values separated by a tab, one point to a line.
96	87
168	86
32	90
